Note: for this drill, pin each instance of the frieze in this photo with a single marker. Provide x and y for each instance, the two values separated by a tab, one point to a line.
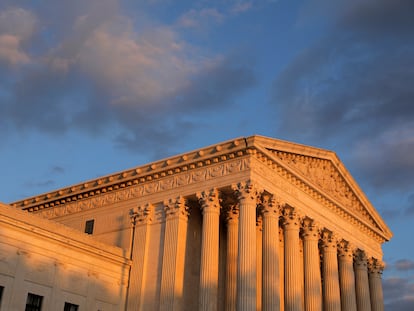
140	190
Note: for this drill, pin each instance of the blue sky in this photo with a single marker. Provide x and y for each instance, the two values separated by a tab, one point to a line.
92	87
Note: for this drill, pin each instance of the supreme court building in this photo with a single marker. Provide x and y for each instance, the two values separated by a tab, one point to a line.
252	223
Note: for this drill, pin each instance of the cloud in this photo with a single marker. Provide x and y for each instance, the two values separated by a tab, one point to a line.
353	87
398	294
404	265
200	18
16	27
104	73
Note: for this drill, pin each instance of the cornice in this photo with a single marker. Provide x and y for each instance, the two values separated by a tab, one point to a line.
145	174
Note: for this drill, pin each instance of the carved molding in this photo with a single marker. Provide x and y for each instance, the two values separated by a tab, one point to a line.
147	188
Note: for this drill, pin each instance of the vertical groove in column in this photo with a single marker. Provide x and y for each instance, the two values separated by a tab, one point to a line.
246	267
293	286
361	282
172	277
346	276
271	277
140	218
209	265
375	268
312	272
232	219
331	293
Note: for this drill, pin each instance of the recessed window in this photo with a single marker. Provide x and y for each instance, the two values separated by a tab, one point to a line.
89	226
70	307
1	293
33	302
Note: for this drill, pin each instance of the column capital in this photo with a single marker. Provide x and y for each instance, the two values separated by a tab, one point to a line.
247	191
270	206
361	261
291	218
209	200
375	266
176	208
329	240
311	229
231	213
141	214
345	250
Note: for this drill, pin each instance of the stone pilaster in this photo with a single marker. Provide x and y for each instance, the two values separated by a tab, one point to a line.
141	218
209	267
271	278
331	293
346	276
293	281
375	268
175	236
361	281
246	265
232	220
312	272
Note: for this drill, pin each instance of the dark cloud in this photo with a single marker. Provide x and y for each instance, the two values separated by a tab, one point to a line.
404	265
39	184
353	90
398	294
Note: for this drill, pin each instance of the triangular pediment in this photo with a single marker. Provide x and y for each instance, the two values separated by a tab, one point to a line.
324	172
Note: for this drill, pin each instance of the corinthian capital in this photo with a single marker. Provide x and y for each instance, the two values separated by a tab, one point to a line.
291	217
311	229
329	240
345	250
176	207
375	266
361	260
141	214
247	191
270	205
209	200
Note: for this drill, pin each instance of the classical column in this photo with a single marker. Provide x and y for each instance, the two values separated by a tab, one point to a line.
175	236
361	281
331	294
282	266
312	272
293	282
375	268
271	278
346	276
246	265
232	220
140	220
259	257
209	265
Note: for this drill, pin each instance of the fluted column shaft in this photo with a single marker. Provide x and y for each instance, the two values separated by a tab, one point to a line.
209	265
175	236
375	268
259	261
312	272
246	265
232	218
346	277
361	282
140	218
271	277
331	294
293	286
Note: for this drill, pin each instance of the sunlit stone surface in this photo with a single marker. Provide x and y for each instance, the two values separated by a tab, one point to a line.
249	224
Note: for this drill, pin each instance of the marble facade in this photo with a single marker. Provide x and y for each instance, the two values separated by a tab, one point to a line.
248	224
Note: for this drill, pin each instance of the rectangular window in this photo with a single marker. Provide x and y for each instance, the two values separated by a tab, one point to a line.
70	307
89	226
1	293
33	302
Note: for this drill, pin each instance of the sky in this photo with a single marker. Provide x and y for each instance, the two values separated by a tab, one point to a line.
92	87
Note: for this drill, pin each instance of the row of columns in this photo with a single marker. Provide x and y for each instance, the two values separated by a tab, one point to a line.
346	283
